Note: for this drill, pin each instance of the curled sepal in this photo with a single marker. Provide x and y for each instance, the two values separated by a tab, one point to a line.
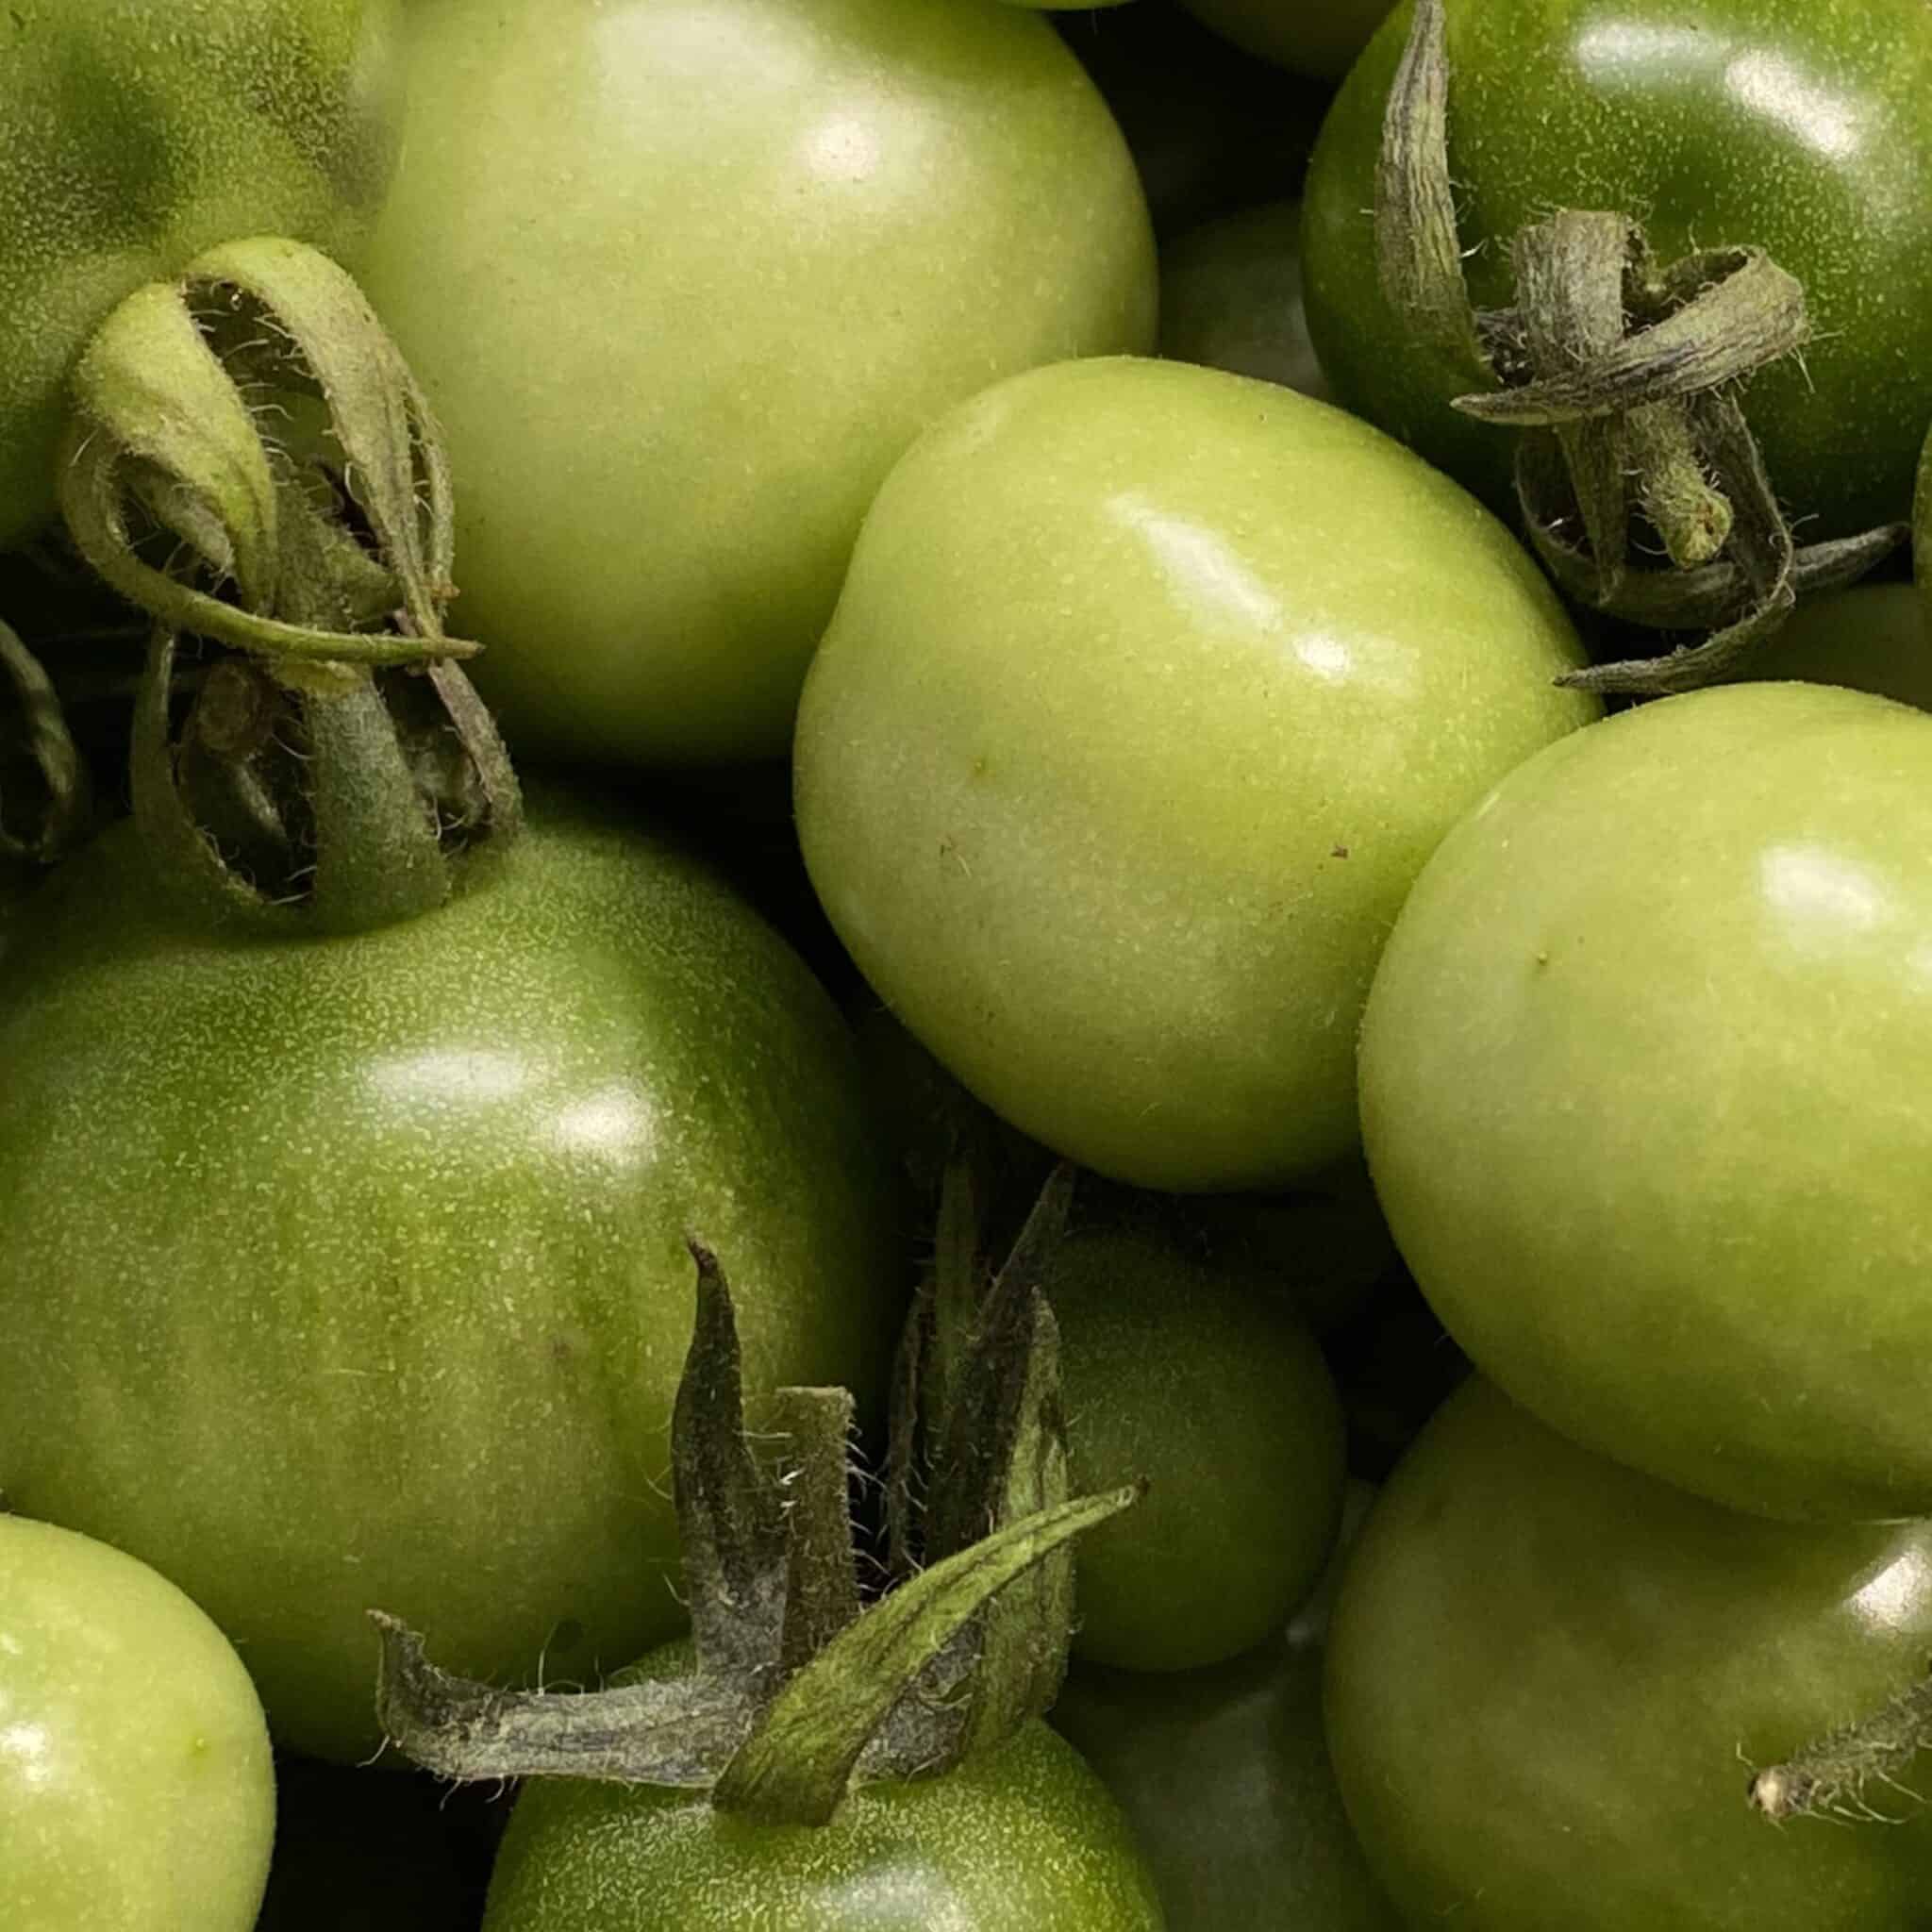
1418	253
677	1732
799	1761
251	463
1831	1777
729	1513
1749	314
59	812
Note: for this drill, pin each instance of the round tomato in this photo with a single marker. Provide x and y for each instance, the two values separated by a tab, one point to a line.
1197	1380
1231	298
1023	1840
134	134
136	1787
1548	1679
1225	1776
683	277
1871	639
1150	690
1796	129
1211	131
353	1272
1319	37
1646	1081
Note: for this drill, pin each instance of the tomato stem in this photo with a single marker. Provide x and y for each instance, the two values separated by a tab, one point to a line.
1829	1776
797	1689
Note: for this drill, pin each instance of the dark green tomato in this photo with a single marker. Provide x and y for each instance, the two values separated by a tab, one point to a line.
1797	127
1548	1676
1646	1089
1874	639
352	1273
1319	37
1231	298
136	133
1225	1776
1198	1380
1025	1839
1211	129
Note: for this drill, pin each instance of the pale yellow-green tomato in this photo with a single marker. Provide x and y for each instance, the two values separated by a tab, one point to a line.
1150	692
683	279
137	1791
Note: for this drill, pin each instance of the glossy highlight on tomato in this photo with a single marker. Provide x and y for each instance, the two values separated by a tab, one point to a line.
1551	1679
1797	127
376	1293
683	279
136	1785
1149	692
1646	1090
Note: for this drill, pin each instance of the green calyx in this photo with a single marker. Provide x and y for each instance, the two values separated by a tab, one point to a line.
252	465
1622	375
1838	1776
799	1687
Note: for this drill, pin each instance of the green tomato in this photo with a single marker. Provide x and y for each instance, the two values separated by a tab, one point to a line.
1211	131
134	134
1231	298
1184	1374
1644	1083
1547	1675
1872	638
1797	128
375	1292
683	279
1319	37
1225	1776
137	1791
1025	1840
1150	692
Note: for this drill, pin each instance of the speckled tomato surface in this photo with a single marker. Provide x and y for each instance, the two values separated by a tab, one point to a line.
1797	127
136	133
136	1787
351	1272
1025	1840
1150	690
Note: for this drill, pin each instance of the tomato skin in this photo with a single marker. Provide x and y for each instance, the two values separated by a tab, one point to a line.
668	270
134	134
377	1294
1316	36
1873	638
1197	1379
1646	1081
1225	1776
1547	1675
1231	297
1792	125
136	1785
1150	689
1025	1839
